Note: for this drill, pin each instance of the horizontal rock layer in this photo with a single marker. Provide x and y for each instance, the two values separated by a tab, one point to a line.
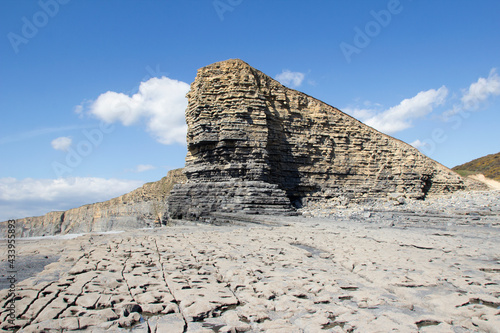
251	197
243	126
256	146
140	208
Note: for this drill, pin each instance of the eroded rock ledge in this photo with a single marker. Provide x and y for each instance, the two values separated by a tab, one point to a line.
255	145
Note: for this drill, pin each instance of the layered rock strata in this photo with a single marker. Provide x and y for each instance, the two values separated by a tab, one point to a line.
143	207
255	145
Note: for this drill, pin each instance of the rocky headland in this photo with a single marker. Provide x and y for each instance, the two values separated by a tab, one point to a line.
257	146
289	216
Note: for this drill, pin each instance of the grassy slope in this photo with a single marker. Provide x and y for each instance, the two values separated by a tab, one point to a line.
488	165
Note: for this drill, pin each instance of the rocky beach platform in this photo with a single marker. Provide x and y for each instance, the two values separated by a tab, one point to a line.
403	265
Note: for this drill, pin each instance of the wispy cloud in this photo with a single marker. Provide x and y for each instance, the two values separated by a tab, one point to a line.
145	167
142	168
288	77
32	197
161	102
360	113
481	90
477	95
41	131
419	144
363	111
62	143
401	116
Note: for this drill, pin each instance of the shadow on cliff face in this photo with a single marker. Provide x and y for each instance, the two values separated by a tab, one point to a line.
283	166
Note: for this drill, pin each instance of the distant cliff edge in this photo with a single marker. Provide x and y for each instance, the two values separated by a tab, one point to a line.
143	207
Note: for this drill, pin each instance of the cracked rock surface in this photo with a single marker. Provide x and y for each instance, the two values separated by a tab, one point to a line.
301	275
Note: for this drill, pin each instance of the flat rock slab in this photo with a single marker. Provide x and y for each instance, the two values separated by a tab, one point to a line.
308	275
26	266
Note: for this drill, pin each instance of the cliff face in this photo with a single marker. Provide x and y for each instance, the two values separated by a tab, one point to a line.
143	207
255	145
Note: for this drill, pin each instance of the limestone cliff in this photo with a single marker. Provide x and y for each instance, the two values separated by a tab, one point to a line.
255	145
143	207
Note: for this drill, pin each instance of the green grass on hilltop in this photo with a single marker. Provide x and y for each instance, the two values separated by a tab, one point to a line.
488	165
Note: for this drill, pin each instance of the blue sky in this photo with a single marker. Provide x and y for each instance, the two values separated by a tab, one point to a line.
92	91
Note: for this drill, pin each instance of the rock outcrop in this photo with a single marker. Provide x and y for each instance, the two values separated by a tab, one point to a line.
255	145
143	207
258	147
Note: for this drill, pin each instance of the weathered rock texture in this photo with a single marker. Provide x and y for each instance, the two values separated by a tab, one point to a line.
140	208
433	271
258	146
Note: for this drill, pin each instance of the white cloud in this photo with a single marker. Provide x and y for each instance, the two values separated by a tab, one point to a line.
399	117
32	197
62	143
145	167
419	144
360	114
78	109
364	112
481	90
28	135
288	77
477	94
142	168
161	102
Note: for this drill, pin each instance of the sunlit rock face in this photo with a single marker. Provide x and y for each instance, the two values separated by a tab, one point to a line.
255	145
